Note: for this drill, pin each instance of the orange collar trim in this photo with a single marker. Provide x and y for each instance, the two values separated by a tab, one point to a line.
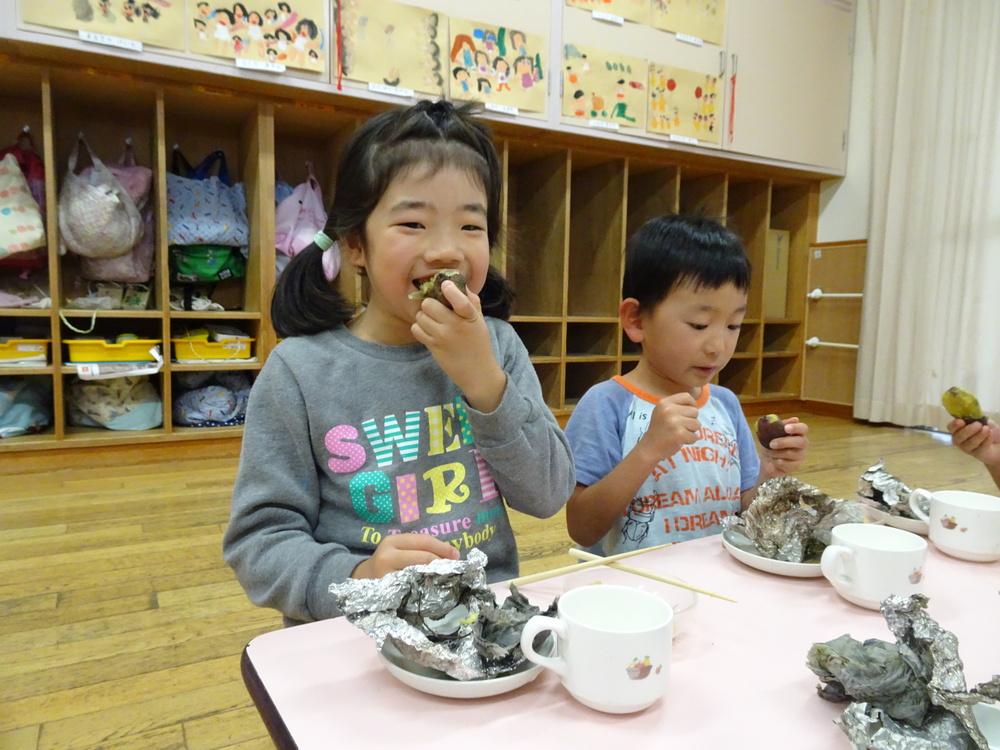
701	401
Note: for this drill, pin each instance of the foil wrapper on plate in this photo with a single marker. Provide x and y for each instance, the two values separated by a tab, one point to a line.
907	695
878	488
442	615
791	521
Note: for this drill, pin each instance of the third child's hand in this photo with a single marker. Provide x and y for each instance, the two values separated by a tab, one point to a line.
672	424
460	342
398	551
982	443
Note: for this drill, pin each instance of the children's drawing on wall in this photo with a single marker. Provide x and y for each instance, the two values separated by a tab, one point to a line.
392	44
599	85
159	23
496	64
630	10
683	102
287	33
704	19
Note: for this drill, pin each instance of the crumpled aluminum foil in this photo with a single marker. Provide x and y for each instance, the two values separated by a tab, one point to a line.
442	615
880	489
910	695
790	520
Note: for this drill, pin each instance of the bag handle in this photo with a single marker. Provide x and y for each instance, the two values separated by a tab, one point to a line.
127	159
75	153
217	157
181	166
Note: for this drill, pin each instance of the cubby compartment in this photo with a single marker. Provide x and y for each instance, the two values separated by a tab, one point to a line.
596	234
550	377
104	339
212	399
100	112
749	341
781	376
98	410
590	340
536	232
782	338
747	204
543	340
199	122
653	190
30	417
703	193
211	344
791	206
581	376
742	377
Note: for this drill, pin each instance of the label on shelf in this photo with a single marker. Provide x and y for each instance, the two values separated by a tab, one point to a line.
603	124
110	41
270	67
391	90
682	139
611	17
504	108
690	39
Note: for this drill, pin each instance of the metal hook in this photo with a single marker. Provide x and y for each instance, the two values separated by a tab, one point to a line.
26	129
128	140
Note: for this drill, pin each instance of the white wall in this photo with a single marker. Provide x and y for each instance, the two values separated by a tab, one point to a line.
845	203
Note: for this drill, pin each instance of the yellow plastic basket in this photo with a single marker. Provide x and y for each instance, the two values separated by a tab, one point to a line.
33	350
199	349
95	350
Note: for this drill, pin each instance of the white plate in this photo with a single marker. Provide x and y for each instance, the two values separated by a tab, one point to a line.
744	550
435	682
913	525
988	719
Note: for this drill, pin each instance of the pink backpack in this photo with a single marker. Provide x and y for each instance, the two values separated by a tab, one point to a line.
299	217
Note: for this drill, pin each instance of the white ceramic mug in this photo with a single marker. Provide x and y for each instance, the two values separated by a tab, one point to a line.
613	645
867	563
962	524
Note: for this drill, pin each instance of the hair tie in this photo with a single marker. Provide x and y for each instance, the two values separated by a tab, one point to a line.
331	261
322	241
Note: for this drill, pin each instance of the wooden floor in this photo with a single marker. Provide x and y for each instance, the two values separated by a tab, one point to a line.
120	626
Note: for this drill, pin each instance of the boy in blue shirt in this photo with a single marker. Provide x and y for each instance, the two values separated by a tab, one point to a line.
661	455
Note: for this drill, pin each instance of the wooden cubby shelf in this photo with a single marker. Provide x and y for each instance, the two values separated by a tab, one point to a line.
570	206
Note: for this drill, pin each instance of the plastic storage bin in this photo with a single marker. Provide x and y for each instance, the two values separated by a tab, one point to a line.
24	352
199	350
98	350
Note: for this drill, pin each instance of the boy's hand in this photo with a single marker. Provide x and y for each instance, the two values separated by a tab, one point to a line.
784	456
672	424
980	442
460	342
398	551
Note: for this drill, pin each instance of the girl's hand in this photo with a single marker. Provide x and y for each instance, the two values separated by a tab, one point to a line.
672	425
398	551
460	342
980	442
784	456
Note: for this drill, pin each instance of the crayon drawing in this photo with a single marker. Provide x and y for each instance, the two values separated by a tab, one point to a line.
704	19
393	44
496	64
159	23
605	86
288	33
630	10
683	102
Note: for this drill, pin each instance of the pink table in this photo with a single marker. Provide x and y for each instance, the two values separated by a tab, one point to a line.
739	678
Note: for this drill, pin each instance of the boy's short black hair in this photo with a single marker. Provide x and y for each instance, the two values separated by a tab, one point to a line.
671	250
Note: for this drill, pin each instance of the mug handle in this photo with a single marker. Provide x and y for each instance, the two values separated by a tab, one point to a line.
832	564
916	508
540	624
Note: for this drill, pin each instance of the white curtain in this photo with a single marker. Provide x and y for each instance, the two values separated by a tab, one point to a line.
931	315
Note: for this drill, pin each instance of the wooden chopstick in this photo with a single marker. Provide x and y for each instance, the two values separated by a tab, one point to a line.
583	555
581	566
